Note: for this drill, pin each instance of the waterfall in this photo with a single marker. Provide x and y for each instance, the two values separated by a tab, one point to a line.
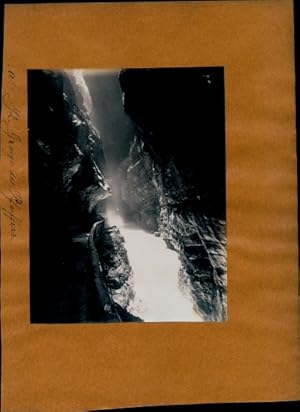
158	297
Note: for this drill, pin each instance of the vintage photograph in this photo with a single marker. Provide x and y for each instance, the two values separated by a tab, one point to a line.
127	195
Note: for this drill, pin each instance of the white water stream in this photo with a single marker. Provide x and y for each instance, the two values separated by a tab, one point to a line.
155	269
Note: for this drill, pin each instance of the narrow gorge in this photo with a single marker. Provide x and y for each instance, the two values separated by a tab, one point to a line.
127	195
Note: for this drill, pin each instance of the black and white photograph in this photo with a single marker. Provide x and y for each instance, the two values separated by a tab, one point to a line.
127	195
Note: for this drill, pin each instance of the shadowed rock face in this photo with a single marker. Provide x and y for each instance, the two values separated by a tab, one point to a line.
67	189
175	172
66	149
139	195
179	116
118	272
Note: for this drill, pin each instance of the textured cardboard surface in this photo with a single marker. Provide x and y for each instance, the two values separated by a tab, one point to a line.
252	356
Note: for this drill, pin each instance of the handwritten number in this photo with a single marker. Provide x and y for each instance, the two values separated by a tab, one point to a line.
11	74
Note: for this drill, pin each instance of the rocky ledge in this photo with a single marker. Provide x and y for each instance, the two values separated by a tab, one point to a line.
67	190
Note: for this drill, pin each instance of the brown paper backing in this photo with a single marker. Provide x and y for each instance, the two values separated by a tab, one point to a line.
252	356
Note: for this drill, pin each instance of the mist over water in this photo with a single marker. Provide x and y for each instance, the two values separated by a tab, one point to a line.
155	270
158	296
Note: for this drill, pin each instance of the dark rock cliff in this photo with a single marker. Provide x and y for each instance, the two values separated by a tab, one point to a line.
67	189
175	173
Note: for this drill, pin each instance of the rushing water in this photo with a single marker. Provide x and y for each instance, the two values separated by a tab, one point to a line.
155	269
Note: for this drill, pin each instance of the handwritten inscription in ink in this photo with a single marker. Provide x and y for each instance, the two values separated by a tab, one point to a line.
9	125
